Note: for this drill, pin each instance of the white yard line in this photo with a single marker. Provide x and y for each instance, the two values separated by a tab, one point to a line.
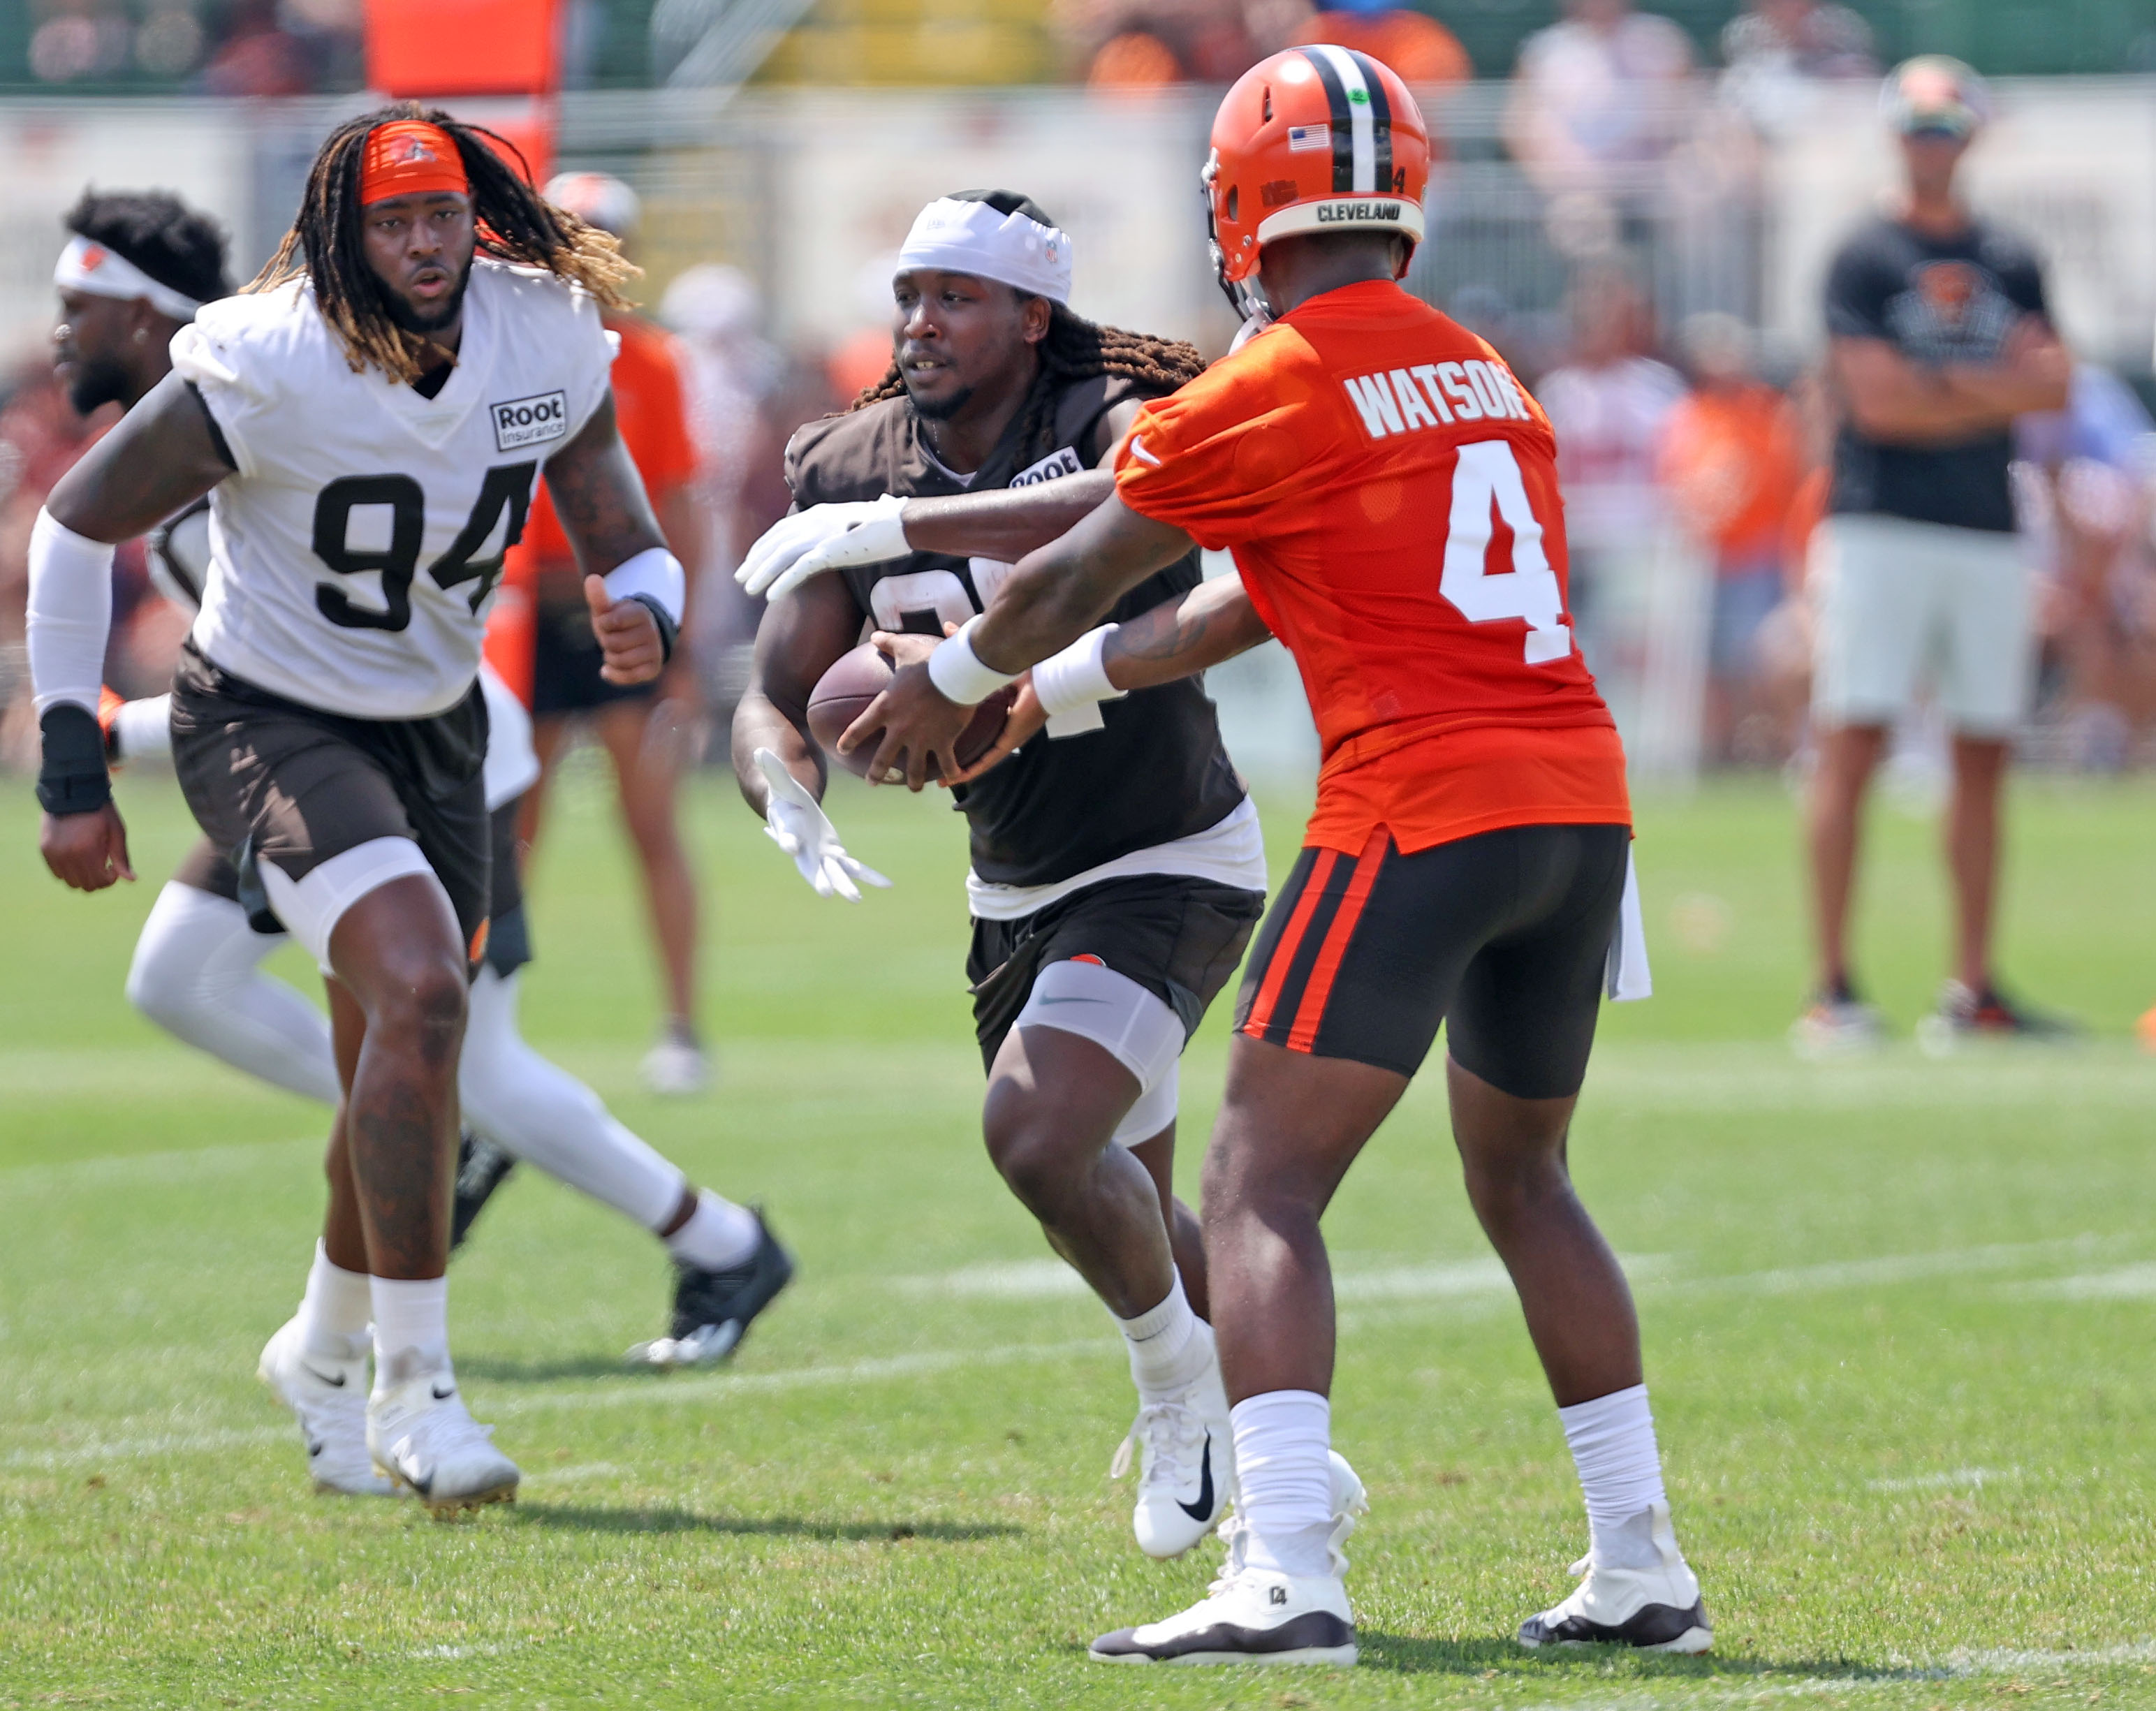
651	1391
1951	1479
2127	1283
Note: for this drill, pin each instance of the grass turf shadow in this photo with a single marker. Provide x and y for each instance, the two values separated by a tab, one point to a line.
591	1518
1406	1654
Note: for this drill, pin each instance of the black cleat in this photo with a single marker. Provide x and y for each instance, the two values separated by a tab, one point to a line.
482	1168
713	1310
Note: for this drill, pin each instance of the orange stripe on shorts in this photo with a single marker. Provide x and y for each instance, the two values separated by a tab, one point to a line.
1290	941
1304	1035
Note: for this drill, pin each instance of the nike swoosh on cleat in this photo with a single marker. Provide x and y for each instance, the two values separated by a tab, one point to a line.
442	1395
317	1373
1202	1510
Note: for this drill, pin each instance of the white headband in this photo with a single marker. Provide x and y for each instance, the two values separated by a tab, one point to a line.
84	266
971	237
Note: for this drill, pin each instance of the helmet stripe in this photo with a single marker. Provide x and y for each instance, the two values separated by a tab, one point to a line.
1381	120
1324	62
1347	69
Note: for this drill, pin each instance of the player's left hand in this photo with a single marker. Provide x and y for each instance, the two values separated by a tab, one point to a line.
916	718
823	537
628	636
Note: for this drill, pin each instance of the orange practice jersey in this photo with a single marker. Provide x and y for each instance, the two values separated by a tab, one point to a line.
649	404
1390	493
652	411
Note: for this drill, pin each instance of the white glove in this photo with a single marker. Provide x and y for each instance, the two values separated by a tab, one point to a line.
798	826
823	537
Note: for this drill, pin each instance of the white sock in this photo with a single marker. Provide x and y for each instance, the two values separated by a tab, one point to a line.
1166	1353
538	1111
411	1328
333	1313
718	1236
1284	1477
1620	1473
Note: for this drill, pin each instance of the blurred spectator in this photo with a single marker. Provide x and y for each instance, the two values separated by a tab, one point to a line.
41	436
258	57
2088	518
1142	44
649	729
244	48
1422	50
1608	402
715	312
1731	460
1939	336
1778	51
1597	97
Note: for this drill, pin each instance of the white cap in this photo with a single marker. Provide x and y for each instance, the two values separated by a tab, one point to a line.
971	236
598	199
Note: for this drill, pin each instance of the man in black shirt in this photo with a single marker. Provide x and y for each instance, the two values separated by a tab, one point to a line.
1117	868
1938	338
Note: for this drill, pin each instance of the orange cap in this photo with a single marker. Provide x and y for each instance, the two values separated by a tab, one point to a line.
410	158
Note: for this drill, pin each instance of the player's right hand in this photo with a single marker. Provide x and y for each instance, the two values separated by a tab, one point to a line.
823	537
796	822
88	852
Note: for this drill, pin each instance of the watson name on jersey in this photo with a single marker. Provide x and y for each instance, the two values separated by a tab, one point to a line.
353	551
1390	493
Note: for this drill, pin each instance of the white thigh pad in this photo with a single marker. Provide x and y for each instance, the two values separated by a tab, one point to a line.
1117	1013
311	907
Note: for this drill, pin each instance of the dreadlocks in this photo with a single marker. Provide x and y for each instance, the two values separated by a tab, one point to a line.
514	223
1075	349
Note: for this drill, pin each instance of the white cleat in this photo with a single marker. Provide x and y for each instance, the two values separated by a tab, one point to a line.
1654	1610
1253	1615
329	1399
422	1436
1248	1616
676	1068
1189	1455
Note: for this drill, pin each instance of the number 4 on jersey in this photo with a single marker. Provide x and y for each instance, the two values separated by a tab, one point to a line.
1488	477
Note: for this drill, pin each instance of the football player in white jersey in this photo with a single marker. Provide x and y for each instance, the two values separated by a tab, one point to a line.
137	266
370	419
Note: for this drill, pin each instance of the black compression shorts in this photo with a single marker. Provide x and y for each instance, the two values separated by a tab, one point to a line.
1504	938
1178	937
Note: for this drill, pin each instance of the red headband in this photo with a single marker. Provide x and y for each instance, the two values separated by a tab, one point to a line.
410	158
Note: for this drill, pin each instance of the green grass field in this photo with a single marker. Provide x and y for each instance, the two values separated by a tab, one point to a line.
1898	1317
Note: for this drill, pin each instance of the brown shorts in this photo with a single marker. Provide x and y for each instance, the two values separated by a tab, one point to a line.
270	781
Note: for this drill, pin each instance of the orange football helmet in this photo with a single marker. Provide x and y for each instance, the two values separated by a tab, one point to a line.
1315	139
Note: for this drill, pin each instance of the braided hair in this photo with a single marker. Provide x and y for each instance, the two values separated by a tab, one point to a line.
1073	349
514	224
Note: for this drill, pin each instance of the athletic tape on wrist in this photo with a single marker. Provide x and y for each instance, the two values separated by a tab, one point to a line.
71	773
958	673
1072	684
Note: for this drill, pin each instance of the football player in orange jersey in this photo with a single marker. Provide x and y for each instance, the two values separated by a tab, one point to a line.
1389	495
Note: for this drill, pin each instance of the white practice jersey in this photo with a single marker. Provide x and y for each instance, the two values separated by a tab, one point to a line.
353	551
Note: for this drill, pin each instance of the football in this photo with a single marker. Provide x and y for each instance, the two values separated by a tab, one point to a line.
844	692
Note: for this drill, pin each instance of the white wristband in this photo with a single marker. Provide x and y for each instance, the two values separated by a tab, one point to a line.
654	571
70	614
142	728
1072	685
957	670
